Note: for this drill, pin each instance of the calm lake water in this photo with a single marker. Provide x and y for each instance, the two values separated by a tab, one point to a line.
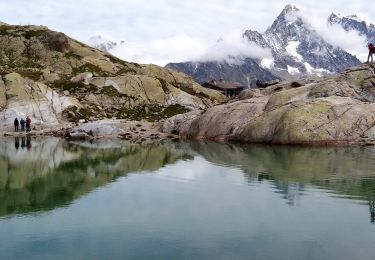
109	200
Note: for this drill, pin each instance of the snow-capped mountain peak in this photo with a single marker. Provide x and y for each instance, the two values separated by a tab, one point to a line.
298	50
287	16
354	23
102	43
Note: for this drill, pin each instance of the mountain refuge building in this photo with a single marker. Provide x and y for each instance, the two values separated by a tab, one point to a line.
229	89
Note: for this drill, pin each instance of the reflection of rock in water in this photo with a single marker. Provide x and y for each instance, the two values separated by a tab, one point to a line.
55	172
289	169
372	208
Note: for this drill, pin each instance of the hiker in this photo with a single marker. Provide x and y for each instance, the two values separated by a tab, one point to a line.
28	124
22	123
16	125
371	52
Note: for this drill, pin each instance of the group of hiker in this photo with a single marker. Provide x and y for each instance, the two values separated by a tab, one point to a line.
24	123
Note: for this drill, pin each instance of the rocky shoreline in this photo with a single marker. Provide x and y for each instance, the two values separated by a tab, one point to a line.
132	131
141	132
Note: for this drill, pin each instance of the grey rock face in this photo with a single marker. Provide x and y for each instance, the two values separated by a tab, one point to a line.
246	73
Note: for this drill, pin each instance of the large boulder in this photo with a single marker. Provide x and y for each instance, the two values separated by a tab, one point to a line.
338	109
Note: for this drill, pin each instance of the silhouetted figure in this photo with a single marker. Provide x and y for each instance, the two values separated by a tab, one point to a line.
16	125
22	123
371	52
17	142
28	124
23	143
28	142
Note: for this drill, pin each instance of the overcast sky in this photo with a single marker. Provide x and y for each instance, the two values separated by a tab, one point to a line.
154	25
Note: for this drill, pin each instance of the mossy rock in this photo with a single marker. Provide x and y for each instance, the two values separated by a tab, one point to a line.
88	67
33	75
151	113
72	87
111	92
74	114
34	33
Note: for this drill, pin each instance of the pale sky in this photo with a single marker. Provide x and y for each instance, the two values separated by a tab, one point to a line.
151	27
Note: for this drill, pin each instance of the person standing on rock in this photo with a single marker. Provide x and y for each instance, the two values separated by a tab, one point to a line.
16	125
22	123
28	124
371	52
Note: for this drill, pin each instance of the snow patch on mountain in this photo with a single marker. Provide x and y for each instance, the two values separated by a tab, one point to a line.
293	71
291	48
267	63
319	72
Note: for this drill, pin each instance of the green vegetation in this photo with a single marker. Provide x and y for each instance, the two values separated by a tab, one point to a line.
151	113
126	70
24	31
73	113
88	67
111	91
33	75
73	87
189	89
73	55
164	86
34	33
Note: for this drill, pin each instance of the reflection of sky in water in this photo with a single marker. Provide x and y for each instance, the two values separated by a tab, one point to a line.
195	209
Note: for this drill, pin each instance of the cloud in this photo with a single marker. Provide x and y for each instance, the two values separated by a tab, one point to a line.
181	26
161	51
350	41
233	48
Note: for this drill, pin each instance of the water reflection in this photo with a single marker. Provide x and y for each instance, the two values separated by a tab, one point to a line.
345	172
55	173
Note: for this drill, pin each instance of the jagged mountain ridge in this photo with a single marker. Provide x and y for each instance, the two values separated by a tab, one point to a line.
353	22
297	51
243	73
102	43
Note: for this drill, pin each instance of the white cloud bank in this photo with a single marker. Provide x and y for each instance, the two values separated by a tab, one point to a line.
350	41
231	47
162	51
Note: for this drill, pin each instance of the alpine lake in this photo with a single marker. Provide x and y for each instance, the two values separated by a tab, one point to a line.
184	200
